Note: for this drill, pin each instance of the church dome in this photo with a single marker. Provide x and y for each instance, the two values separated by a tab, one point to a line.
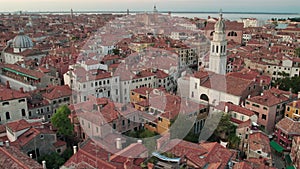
220	25
22	41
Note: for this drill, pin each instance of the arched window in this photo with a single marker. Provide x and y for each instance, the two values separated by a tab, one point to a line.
7	116
221	50
217	49
204	97
212	33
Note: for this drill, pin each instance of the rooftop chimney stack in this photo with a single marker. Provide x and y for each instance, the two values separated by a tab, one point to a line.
118	143
226	109
74	149
44	164
30	155
7	143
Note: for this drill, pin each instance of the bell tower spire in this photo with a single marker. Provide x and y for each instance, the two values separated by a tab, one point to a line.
218	56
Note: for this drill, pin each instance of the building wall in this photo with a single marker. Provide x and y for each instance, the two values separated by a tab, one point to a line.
282	138
292	111
42	142
267	116
295	152
14	108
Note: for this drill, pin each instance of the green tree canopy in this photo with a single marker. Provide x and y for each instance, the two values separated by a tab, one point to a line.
288	83
61	121
226	131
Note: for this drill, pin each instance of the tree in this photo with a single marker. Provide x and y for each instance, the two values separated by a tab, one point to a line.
53	160
61	121
226	132
288	83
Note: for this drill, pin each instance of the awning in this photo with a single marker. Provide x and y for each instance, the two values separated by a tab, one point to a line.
288	159
290	167
276	146
20	73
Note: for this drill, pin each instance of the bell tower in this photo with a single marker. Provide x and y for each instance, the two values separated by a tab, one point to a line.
218	56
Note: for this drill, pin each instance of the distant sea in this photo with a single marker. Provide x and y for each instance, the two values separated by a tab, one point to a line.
264	16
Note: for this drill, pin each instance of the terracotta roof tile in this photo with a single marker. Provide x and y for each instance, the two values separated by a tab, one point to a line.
289	126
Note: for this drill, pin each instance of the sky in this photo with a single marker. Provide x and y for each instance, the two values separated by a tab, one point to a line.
287	6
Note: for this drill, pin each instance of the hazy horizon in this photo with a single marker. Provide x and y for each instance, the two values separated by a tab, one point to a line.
268	6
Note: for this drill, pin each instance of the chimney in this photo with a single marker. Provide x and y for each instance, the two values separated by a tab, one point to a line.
30	155
140	141
226	109
7	85
261	82
21	89
7	143
44	164
118	143
291	94
74	149
108	157
261	93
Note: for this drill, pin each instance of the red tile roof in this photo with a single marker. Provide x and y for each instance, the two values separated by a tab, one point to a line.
271	97
11	157
200	154
289	126
18	125
143	90
92	155
259	141
56	92
242	165
229	84
235	108
17	68
10	94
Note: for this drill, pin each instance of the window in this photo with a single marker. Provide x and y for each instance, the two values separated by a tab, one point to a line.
29	113
123	122
297	111
58	150
92	84
107	81
288	108
21	100
114	126
265	108
192	94
96	83
7	116
23	112
264	117
5	103
97	129
217	49
84	86
196	85
128	122
42	136
117	91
